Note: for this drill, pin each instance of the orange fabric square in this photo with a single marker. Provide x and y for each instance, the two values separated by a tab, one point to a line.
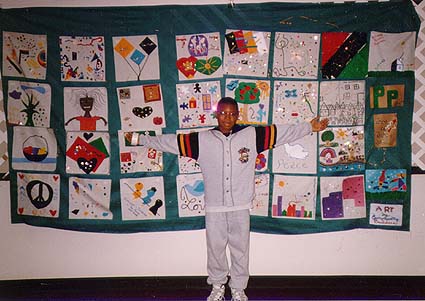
151	93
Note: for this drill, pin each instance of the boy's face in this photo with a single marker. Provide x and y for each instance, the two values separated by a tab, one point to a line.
227	115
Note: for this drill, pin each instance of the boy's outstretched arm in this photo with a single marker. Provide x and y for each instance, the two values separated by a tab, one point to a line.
318	124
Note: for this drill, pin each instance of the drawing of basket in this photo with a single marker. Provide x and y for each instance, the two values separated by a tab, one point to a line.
35	148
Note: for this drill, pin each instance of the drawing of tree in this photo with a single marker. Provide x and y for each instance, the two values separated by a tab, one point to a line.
30	109
246	94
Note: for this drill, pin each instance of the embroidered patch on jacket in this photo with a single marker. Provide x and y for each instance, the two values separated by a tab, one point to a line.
244	154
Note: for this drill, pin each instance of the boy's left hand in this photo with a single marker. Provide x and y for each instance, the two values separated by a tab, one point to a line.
318	124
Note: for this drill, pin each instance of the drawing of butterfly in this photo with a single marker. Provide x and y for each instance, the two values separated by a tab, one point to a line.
291	93
232	85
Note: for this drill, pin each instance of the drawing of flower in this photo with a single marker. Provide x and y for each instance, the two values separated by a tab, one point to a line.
341	133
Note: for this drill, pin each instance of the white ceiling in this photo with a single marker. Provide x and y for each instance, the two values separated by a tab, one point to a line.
79	3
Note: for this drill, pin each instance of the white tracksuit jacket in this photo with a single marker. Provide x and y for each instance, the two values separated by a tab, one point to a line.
227	162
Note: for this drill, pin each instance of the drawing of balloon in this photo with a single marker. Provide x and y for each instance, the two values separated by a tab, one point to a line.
148	45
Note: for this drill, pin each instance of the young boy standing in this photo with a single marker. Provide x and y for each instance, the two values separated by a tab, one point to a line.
227	157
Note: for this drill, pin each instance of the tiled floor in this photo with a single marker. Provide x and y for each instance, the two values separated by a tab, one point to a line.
194	289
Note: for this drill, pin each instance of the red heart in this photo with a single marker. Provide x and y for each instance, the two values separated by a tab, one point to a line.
186	65
55	178
21	175
53	212
21	210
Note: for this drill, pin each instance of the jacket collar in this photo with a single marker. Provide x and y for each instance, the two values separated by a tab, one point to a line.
235	129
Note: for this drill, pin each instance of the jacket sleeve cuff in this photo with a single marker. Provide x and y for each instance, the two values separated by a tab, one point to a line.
134	138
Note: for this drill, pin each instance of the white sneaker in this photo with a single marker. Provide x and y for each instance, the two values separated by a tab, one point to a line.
217	293
238	295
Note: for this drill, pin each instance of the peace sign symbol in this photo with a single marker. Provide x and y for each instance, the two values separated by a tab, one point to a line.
39	193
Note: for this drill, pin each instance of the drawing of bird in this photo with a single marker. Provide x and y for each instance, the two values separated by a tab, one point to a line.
197	189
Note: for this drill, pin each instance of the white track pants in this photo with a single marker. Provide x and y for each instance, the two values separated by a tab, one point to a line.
228	229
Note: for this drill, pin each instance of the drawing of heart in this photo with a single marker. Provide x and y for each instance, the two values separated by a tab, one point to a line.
52	212
208	66
87	136
21	210
142	112
186	65
87	165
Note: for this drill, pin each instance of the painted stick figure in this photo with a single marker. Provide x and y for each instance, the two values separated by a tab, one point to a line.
87	121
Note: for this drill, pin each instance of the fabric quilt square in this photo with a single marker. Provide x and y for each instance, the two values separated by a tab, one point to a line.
190	195
82	58
139	158
343	102
386	96
197	103
299	157
24	55
199	56
246	53
89	198
87	153
142	198
385	130
294	197
28	104
344	55
296	55
392	51
342	149
386	214
295	101
140	110
343	197
85	108
4	155
34	148
136	58
385	181
253	97
260	203
38	194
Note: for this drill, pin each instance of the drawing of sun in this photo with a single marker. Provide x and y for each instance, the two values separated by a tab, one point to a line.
341	133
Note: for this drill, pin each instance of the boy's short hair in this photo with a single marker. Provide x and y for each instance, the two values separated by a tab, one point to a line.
228	101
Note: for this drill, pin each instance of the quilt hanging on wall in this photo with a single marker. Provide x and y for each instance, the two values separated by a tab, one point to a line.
72	91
